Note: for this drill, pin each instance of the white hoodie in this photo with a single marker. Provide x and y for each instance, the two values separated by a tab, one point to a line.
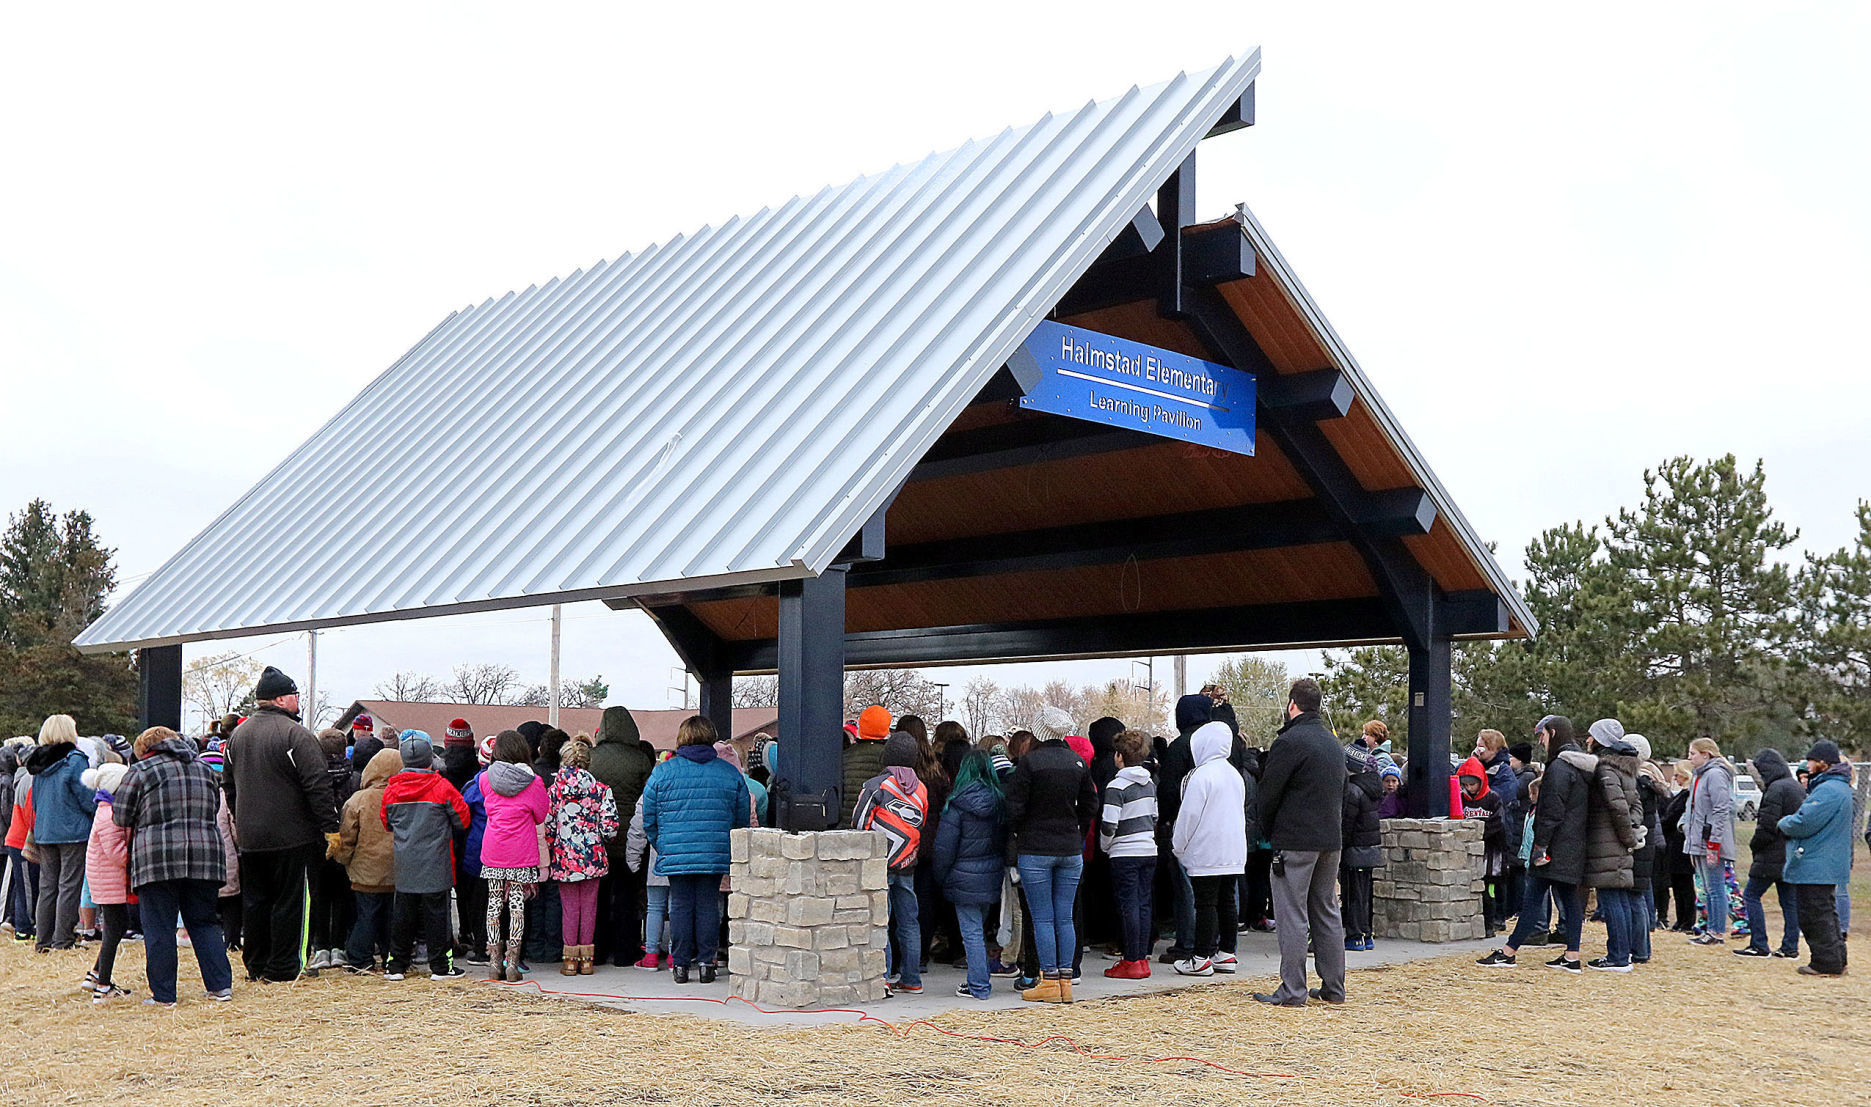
1211	828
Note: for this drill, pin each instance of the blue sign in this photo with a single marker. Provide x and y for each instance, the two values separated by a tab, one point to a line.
1104	379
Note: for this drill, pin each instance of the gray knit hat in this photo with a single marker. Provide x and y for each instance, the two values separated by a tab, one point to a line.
901	749
418	752
1053	723
1609	733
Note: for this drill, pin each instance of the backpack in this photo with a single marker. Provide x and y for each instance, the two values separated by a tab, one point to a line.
900	817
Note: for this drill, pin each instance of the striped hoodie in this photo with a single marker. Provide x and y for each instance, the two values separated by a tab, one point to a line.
1128	826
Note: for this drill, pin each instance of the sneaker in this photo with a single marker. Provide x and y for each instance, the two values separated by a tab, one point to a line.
1708	940
1603	964
321	959
1786	955
153	1002
1565	963
392	975
1025	983
650	963
1226	962
453	972
1354	944
1370	943
475	957
1195	967
110	991
898	989
1000	969
222	996
1750	951
1498	959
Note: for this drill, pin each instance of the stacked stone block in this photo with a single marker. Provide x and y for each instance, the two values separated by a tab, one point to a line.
808	916
1430	887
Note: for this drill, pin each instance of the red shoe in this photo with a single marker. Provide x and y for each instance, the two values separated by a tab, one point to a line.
1119	971
1140	970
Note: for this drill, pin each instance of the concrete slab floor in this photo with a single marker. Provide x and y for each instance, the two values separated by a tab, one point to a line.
640	990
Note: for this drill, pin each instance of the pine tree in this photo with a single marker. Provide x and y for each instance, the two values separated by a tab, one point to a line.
1835	636
1370	682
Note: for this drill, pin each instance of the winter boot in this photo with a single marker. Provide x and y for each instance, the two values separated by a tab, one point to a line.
1045	991
513	963
1065	987
496	960
568	965
589	963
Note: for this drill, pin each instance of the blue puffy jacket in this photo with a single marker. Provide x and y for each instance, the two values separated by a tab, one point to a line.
690	803
470	860
62	806
1819	834
971	845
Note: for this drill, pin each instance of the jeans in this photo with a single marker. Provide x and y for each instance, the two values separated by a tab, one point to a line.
1615	903
1132	881
1757	914
24	892
1714	892
194	901
425	911
370	931
658	897
1215	915
974	941
906	940
1819	921
695	917
1571	911
1051	885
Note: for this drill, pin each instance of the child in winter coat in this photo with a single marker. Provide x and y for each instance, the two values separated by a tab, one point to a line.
422	812
1210	840
1481	802
107	871
970	844
367	850
516	804
640	856
1127	834
583	819
1363	848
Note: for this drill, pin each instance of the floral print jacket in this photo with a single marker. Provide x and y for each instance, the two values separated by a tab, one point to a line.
583	818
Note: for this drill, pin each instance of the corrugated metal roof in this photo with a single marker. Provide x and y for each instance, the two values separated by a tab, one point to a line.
728	407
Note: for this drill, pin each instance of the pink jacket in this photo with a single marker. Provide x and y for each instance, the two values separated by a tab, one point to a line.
107	859
516	804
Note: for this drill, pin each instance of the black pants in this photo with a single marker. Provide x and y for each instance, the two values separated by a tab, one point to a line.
116	920
1354	899
1683	886
545	938
229	909
429	911
620	923
1215	916
1133	879
1257	907
1103	926
274	888
470	911
1819	921
332	906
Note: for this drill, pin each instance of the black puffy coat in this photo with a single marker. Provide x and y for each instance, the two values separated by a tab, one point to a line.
1364	842
1644	861
1675	860
1613	816
1559	821
1781	795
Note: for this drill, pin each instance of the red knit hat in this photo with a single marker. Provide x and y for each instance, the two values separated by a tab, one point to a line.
874	723
362	722
459	733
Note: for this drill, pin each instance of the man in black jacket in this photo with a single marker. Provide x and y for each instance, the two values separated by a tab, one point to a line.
1782	795
280	796
1302	799
1558	860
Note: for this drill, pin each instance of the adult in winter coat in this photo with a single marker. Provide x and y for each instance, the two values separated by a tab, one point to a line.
1302	801
1819	856
1781	795
280	795
1557	856
621	763
578	834
368	852
62	811
1051	804
1613	833
1210	841
863	759
970	848
169	803
1709	833
516	805
692	803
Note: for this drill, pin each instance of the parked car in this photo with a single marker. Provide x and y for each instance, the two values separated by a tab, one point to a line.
1747	797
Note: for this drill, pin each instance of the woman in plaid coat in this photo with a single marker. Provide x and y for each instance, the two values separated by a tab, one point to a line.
169	802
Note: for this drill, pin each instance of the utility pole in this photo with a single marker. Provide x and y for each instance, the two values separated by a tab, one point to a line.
310	706
941	701
552	681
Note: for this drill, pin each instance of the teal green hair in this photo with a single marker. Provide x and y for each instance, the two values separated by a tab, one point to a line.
977	767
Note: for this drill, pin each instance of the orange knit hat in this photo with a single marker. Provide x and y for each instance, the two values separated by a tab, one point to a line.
874	723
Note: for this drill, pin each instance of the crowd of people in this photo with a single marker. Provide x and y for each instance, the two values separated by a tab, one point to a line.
366	850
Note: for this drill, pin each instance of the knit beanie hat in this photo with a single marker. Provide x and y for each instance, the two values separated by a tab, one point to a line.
274	684
1609	733
418	752
874	723
459	733
363	722
1053	722
901	749
1522	752
104	778
485	753
1824	750
1639	743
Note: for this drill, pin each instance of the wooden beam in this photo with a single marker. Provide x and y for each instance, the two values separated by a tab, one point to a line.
1307	397
1024	442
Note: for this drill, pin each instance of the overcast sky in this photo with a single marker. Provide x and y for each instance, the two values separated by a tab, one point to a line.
1564	243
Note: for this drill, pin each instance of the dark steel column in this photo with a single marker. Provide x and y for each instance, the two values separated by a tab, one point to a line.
812	671
718	701
159	687
1431	713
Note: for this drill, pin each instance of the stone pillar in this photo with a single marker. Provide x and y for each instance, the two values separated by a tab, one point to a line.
808	916
1430	887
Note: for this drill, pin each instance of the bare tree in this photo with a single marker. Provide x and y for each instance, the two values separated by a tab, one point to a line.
903	691
217	685
484	683
1257	688
756	691
407	687
978	700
